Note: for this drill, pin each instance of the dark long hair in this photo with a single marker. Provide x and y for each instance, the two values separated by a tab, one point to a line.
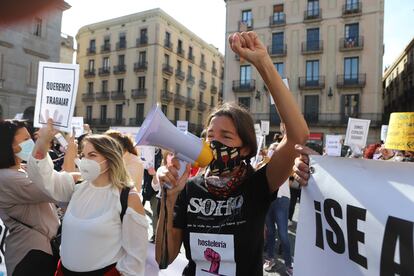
8	129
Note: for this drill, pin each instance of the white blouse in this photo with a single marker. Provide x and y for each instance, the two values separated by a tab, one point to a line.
92	234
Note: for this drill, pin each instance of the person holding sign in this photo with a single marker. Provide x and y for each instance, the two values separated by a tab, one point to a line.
104	230
26	209
219	216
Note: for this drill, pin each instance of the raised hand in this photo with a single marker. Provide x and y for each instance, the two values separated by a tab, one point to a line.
248	46
168	175
301	167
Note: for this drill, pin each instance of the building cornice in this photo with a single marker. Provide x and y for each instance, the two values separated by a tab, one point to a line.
34	53
6	44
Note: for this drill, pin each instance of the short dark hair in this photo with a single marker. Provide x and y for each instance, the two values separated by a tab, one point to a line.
243	123
8	129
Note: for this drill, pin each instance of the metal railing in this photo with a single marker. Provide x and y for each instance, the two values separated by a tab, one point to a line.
351	43
179	99
213	89
102	96
121	45
277	50
352	8
139	93
351	80
89	73
167	69
118	95
189	103
190	79
136	121
277	19
179	74
142	41
88	97
340	119
312	47
105	48
244	85
140	66
202	106
202	84
104	71
312	82
91	51
166	96
312	14
180	52
119	69
168	44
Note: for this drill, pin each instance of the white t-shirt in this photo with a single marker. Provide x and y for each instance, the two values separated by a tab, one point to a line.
284	190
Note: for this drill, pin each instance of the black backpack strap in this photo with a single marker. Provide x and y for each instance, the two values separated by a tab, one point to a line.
124	201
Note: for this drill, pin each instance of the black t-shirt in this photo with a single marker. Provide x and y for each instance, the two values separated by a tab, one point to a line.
224	236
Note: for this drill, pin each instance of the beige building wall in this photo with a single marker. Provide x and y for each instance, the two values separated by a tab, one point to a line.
327	112
66	49
161	79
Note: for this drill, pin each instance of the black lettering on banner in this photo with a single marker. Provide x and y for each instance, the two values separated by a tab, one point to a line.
328	206
319	230
353	214
400	230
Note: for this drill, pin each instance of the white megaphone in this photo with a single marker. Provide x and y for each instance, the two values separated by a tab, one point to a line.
158	131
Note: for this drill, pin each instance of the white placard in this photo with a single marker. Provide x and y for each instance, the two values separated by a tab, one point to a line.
265	125
182	125
286	82
132	131
77	126
147	156
356	218
384	131
19	116
3	233
257	129
357	132
57	86
333	145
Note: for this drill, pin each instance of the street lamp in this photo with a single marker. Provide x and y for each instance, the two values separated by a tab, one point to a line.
330	94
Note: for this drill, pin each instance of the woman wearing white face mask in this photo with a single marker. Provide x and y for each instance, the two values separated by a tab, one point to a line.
97	238
25	209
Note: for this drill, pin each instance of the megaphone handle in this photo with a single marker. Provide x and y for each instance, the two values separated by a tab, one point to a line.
183	165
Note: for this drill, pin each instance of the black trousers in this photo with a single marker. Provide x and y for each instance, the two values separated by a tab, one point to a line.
36	262
294	196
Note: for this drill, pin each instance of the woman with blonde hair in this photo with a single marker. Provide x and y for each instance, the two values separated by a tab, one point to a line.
104	231
133	163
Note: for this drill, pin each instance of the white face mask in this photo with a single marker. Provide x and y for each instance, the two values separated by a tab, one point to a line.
26	149
89	169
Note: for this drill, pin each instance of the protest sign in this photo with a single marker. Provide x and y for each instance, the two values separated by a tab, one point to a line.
384	131
3	234
357	132
265	125
333	145
257	130
147	156
286	82
77	126
356	218
57	86
401	131
182	125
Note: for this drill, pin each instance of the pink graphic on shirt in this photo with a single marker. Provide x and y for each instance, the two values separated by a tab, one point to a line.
214	258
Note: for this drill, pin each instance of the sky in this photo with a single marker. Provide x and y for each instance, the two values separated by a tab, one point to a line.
207	19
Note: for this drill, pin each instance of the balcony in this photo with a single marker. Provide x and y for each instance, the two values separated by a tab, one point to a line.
136	121
189	103
179	99
351	81
277	19
168	45
167	69
244	85
214	71
105	48
246	25
89	73
102	96
91	51
119	69
180	52
203	65
312	82
166	96
213	89
202	106
312	15
179	74
312	47
140	93
121	45
351	43
103	122
104	71
118	122
340	119
142	41
202	84
352	9
277	50
88	97
190	79
140	66
118	95
191	58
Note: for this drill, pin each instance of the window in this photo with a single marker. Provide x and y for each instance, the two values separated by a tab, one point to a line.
103	113
37	31
165	84
90	87
351	68
247	18
277	43
167	39
180	46
280	67
312	72
122	40
187	115
89	113
142	57
200	97
351	35
104	86
245	74
190	70
200	119
143	36
164	109
105	63
189	92
91	65
141	83
312	39
166	59
179	63
120	85
311	108
349	106
139	114
176	114
118	113
351	5
214	65
244	102
201	76
211	100
278	14
190	52
107	43
313	8
92	45
121	60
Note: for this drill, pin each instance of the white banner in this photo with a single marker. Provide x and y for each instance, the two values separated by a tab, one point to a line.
357	132
57	86
3	233
356	218
333	145
182	125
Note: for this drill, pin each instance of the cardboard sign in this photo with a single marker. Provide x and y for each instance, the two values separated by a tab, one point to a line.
401	131
357	132
345	225
57	86
384	131
265	127
182	125
333	145
257	130
77	126
286	82
147	156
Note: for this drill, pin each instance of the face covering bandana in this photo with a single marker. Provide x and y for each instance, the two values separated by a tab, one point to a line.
27	149
89	169
225	158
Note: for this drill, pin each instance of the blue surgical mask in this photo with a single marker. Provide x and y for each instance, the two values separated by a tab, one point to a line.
27	149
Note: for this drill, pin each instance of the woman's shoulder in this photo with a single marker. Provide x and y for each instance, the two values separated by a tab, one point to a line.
10	176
